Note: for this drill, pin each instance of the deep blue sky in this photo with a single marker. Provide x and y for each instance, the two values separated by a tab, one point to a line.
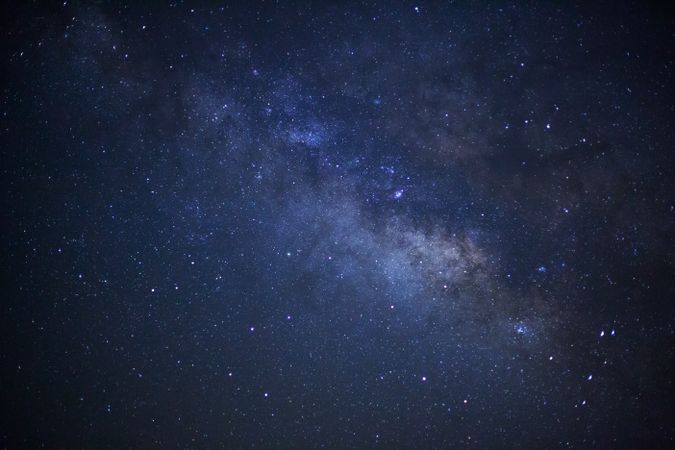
347	225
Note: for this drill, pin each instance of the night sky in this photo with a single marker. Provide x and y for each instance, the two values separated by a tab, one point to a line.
337	225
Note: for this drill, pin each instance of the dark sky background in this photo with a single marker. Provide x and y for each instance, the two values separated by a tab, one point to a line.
347	225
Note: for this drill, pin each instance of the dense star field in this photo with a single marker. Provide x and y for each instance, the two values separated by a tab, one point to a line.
337	225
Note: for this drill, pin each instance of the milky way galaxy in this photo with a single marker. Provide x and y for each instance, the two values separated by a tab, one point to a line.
337	225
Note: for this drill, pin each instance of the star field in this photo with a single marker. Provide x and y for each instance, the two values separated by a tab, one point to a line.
337	225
